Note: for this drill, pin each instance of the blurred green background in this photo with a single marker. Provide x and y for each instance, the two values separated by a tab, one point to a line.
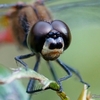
83	18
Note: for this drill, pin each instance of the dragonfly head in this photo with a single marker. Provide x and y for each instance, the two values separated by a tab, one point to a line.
49	38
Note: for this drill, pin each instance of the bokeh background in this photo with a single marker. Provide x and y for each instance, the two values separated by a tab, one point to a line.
83	18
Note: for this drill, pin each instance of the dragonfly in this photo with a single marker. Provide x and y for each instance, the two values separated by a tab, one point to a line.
34	28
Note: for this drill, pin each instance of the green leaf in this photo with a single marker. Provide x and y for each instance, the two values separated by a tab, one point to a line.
13	90
22	73
44	81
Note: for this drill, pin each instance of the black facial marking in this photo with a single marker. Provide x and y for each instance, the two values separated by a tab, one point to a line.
55	46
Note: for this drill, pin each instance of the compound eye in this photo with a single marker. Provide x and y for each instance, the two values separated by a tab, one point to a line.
42	27
60	26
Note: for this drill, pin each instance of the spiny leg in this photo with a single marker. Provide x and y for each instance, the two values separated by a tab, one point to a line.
31	83
19	59
77	74
66	69
52	71
74	71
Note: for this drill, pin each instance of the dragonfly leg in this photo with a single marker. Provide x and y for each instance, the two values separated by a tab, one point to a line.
19	59
52	71
67	70
77	74
64	66
31	83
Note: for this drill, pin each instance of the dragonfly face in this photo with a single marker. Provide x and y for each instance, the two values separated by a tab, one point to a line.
49	38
